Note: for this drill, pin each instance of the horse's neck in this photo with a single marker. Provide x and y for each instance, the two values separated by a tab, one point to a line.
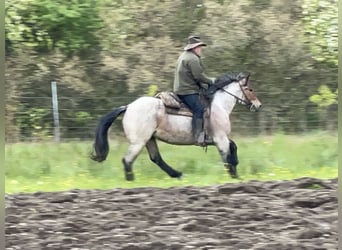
224	101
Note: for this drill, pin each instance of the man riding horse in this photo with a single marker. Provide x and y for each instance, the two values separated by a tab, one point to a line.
147	119
188	81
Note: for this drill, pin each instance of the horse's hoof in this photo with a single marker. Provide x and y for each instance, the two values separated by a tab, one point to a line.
232	171
234	176
129	176
178	175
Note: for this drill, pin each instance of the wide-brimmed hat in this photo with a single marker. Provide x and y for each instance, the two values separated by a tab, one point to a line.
193	42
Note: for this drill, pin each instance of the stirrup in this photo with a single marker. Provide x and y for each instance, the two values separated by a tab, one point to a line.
200	140
208	140
204	140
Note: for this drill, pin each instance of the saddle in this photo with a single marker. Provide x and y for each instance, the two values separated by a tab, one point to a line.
173	104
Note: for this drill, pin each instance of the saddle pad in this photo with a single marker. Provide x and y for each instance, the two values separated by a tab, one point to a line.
173	105
169	99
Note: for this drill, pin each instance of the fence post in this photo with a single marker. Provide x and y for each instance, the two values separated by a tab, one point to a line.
55	111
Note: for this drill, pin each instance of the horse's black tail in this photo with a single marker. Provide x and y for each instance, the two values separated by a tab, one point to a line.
101	146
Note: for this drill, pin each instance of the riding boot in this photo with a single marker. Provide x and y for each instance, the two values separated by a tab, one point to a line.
198	131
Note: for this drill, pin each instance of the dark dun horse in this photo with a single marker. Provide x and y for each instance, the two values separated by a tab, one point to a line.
145	121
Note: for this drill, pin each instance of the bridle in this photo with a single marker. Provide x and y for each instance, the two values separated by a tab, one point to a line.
247	103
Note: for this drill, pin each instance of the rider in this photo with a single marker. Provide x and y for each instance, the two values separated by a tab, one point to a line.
189	79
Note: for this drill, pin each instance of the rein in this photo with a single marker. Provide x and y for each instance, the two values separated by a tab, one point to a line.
236	97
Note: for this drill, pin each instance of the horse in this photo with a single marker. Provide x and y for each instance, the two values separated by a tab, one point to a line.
146	120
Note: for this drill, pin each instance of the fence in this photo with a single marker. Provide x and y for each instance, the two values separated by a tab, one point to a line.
77	117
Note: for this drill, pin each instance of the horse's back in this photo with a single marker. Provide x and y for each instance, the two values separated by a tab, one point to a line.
144	103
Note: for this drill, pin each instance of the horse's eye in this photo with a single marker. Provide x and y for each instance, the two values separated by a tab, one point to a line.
251	90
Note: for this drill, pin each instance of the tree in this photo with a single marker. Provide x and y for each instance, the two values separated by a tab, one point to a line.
46	26
132	49
47	40
321	34
325	97
321	29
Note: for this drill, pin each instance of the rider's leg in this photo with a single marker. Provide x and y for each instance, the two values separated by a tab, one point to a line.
194	103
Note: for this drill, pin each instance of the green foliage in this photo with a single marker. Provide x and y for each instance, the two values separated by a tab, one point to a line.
321	26
81	118
152	90
47	166
325	97
190	13
35	123
106	53
46	25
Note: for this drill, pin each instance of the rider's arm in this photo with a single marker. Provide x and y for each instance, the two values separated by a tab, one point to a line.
198	72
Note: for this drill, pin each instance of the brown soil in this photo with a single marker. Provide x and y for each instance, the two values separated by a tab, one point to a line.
298	214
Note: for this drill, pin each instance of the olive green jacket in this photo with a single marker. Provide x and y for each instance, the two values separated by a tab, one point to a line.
189	74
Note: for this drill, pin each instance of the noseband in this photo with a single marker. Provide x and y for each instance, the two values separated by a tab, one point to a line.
247	103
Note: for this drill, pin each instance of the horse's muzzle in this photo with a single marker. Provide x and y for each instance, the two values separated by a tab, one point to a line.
255	107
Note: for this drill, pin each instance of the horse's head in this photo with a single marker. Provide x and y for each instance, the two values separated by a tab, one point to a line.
237	86
247	96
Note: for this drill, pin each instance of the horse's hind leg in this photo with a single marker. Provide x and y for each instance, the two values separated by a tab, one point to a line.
155	156
128	159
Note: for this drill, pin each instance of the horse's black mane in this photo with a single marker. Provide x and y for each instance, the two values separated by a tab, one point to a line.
223	81
228	78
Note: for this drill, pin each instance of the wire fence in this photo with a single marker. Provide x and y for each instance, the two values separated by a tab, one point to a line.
77	121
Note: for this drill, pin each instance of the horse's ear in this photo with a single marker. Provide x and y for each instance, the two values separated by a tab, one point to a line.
247	78
244	79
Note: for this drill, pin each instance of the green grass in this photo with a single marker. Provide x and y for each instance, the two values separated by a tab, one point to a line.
34	167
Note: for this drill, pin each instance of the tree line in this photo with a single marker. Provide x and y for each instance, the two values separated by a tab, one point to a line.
99	51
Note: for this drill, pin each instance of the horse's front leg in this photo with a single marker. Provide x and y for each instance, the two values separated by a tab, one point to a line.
228	151
129	175
232	159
